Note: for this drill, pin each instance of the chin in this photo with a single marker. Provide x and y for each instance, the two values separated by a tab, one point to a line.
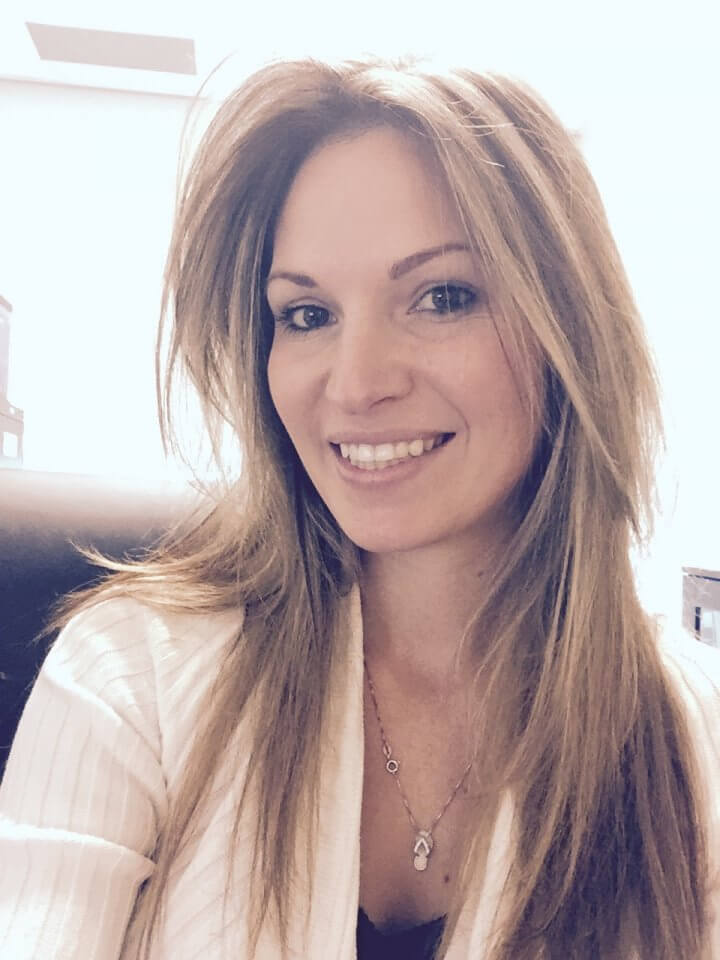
388	541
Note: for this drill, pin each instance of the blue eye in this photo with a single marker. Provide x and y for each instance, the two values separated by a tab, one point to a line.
313	318
448	298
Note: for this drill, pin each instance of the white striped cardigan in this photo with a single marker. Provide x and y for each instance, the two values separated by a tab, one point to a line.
99	752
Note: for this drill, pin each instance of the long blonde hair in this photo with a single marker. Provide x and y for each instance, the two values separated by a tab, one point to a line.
577	714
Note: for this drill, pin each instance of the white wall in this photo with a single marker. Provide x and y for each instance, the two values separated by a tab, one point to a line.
87	186
87	183
653	147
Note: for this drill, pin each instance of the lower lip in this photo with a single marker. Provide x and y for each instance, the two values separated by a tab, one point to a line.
386	476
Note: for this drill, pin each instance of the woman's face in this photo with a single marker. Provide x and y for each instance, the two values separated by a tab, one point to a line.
386	368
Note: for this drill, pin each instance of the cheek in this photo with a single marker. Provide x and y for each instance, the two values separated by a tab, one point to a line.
517	426
291	391
494	400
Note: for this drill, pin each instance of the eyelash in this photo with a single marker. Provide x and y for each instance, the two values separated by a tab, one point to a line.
283	318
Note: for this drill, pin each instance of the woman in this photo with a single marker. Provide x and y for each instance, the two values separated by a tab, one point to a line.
393	688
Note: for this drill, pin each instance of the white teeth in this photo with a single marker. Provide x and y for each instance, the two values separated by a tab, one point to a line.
369	457
384	451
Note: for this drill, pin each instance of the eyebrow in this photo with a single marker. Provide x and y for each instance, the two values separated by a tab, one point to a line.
397	270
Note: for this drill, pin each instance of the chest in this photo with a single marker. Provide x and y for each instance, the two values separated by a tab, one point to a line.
413	818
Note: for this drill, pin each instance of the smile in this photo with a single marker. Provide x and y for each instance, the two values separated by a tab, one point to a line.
367	456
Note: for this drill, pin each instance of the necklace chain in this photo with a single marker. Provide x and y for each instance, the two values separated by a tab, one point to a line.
424	841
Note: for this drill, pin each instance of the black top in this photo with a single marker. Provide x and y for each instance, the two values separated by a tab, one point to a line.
415	943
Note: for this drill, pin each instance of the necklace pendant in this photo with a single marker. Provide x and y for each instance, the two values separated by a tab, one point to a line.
422	849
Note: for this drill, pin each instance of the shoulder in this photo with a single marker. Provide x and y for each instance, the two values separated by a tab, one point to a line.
119	634
92	768
695	668
148	665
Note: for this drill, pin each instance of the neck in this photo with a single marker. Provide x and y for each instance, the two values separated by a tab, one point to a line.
416	607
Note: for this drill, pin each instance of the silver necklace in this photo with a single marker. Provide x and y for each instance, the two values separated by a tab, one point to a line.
423	841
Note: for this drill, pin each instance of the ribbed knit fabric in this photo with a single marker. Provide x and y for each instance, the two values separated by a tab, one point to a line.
97	759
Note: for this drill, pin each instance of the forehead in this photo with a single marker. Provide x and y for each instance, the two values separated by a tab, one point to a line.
374	197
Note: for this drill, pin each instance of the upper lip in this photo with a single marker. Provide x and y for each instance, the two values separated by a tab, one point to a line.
376	437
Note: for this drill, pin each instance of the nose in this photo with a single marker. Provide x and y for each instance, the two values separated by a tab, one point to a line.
369	365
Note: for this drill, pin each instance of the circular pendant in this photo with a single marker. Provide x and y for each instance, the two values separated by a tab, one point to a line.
392	766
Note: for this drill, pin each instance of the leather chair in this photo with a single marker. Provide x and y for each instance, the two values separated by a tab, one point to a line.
41	515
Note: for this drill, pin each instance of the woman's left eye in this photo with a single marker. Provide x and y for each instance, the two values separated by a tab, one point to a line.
447	298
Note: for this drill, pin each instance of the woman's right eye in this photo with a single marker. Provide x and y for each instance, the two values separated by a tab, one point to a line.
303	318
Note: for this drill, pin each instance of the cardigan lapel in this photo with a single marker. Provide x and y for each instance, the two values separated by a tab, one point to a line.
334	907
483	911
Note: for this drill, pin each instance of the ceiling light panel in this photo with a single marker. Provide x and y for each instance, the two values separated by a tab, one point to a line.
108	48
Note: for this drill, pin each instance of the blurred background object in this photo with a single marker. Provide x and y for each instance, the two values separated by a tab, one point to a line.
11	417
701	604
43	517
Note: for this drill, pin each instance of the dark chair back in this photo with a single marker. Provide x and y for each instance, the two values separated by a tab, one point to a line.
41	515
